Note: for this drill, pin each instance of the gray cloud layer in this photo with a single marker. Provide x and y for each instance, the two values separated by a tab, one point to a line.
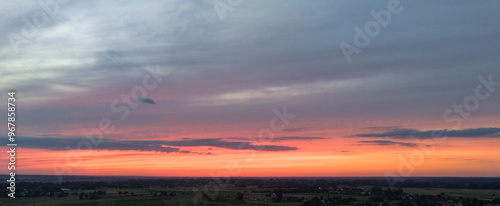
297	138
146	100
277	138
148	145
234	71
404	133
387	143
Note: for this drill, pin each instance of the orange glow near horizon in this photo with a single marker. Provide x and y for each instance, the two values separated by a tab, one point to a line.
329	152
470	158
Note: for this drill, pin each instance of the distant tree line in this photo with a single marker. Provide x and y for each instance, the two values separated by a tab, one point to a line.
264	185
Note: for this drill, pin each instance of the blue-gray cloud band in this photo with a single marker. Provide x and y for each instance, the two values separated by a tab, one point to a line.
387	143
151	145
405	133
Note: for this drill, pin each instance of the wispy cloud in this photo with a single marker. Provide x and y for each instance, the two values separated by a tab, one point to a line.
387	143
152	145
297	138
405	133
236	145
58	144
278	138
296	129
146	100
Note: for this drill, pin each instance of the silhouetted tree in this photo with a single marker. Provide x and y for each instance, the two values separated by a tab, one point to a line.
239	196
279	196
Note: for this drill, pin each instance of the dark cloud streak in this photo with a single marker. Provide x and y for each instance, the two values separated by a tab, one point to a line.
58	144
405	133
387	143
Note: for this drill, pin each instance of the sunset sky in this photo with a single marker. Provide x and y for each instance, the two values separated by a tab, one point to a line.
257	88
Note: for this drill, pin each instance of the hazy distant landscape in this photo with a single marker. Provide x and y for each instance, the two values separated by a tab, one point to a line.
299	191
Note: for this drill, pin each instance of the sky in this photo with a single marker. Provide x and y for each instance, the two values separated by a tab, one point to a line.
252	88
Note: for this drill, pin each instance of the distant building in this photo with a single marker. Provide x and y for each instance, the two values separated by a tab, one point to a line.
66	190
